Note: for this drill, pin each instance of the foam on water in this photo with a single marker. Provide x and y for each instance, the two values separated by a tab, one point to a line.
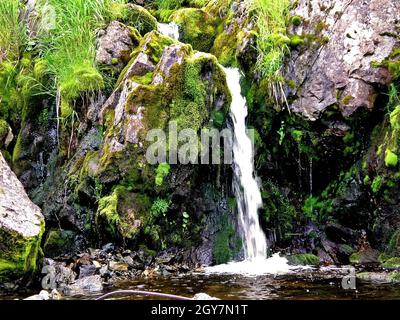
169	29
255	267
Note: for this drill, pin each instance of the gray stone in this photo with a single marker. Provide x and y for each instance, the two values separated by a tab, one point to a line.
114	45
84	286
21	226
340	72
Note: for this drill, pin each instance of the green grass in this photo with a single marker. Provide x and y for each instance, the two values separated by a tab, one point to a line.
12	33
69	47
272	42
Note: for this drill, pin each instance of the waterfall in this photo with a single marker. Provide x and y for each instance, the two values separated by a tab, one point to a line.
169	29
248	195
245	186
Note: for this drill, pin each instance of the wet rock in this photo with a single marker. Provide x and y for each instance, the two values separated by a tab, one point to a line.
378	277
115	44
87	270
118	266
84	286
367	256
303	259
56	274
21	227
62	242
392	263
336	68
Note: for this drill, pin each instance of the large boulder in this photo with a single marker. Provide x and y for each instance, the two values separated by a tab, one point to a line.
338	64
109	191
21	228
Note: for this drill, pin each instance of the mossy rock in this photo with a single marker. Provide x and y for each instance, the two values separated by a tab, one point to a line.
21	228
123	214
303	259
59	242
391	158
135	16
368	256
197	27
378	277
392	263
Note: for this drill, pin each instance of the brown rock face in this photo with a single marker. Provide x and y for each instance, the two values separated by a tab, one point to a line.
339	72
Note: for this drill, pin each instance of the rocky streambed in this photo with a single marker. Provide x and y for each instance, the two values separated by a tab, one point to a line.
95	272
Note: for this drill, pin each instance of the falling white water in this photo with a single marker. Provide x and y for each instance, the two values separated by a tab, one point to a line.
169	29
248	195
245	186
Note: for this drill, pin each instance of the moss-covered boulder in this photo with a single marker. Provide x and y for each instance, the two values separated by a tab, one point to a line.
197	27
303	259
125	198
21	228
135	16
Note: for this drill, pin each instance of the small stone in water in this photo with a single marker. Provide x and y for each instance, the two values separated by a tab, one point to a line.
118	266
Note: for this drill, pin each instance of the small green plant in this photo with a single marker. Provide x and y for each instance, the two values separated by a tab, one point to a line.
161	172
185	220
296	20
376	184
160	207
282	133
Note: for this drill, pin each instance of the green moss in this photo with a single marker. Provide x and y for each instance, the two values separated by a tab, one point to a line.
394	277
376	184
18	254
395	119
296	20
3	129
303	259
355	258
197	27
152	44
391	159
393	247
218	118
135	16
347	99
222	250
367	180
296	41
392	263
279	213
58	242
162	172
122	214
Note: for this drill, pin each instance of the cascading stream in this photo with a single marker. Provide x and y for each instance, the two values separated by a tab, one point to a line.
245	186
248	195
169	30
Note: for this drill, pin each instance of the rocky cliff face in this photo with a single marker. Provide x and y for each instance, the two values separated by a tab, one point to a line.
21	228
348	40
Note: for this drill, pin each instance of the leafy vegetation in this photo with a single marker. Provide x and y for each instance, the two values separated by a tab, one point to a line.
272	41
